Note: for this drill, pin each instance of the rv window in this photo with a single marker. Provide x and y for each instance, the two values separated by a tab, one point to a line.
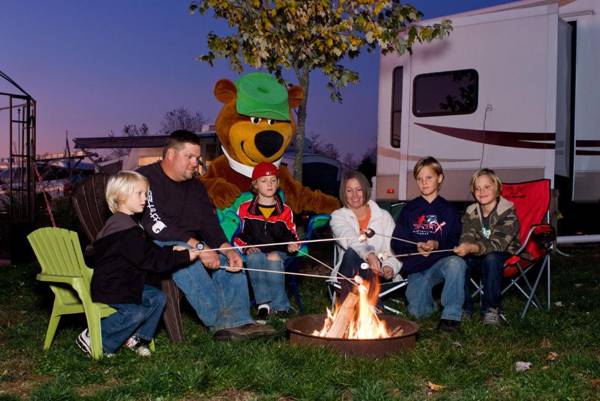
396	107
445	93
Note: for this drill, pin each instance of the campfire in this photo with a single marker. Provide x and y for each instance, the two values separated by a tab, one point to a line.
354	328
356	317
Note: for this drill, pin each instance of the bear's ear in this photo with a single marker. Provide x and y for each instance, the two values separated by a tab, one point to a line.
225	91
295	96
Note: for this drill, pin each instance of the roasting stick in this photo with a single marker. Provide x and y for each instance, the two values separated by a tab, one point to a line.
300	241
279	272
329	267
362	237
370	232
419	253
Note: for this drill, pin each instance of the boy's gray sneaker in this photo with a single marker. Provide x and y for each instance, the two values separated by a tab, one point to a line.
492	317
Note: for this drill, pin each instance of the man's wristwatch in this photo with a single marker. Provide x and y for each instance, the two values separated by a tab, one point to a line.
200	246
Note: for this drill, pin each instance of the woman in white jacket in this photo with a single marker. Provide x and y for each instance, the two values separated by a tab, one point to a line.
358	214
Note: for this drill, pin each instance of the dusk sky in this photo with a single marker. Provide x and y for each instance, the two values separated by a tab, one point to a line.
95	66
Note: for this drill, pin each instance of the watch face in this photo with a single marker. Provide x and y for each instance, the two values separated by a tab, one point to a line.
200	246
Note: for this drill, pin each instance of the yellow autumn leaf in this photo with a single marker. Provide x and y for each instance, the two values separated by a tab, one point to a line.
434	387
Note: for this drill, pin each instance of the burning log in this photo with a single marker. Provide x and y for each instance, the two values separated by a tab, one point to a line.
343	317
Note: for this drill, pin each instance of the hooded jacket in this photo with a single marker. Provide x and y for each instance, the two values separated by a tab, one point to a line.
421	221
344	224
123	255
257	230
504	228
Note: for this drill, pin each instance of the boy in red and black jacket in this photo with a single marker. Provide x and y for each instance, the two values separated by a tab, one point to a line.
266	219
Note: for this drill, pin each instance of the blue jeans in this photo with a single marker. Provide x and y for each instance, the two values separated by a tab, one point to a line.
491	267
350	267
220	298
269	288
130	319
451	271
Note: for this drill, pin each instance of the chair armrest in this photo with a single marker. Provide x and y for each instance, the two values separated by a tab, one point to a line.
55	278
543	234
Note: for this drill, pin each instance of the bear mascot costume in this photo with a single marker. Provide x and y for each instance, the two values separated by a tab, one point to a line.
256	125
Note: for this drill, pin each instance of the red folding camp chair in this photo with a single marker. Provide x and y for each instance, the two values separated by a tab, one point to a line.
532	203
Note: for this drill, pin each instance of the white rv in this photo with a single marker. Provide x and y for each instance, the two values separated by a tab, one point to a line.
514	87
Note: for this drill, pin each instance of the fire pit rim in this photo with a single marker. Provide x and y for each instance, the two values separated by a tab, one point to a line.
414	328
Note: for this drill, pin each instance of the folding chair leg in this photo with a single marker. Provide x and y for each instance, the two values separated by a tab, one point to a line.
523	275
537	280
390	309
478	288
514	282
332	296
548	284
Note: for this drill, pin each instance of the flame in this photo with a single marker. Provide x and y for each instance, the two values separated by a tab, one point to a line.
364	324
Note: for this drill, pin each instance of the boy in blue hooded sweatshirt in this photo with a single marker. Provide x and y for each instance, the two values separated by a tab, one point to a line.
434	224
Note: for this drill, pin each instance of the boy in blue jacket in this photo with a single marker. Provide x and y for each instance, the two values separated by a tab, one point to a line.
433	223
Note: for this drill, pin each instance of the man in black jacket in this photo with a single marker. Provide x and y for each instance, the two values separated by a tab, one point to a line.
179	212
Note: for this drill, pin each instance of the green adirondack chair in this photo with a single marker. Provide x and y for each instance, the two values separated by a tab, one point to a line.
59	253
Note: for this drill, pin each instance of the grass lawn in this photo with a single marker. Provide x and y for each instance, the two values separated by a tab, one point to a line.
563	346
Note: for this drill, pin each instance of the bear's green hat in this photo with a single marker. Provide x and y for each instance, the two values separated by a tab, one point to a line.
260	95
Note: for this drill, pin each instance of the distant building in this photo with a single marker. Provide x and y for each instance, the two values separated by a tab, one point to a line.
320	172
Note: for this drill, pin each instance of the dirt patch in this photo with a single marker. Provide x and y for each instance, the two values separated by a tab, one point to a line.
227	395
92	389
10	317
16	378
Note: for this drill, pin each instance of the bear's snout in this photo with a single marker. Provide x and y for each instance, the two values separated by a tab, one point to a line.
268	142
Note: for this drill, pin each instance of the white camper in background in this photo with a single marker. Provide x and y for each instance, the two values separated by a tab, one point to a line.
514	87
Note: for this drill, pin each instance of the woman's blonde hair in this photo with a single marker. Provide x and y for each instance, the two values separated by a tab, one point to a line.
491	174
428	161
120	186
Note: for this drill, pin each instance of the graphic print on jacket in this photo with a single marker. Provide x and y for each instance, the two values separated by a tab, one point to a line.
427	225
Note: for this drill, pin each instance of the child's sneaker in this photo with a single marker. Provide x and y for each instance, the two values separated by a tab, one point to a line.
84	342
262	316
138	345
492	317
449	326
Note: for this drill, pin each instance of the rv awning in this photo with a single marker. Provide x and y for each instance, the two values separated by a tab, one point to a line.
150	141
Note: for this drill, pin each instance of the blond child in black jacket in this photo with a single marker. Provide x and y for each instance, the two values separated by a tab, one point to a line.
123	255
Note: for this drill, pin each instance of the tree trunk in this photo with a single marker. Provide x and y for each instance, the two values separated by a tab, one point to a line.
303	79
